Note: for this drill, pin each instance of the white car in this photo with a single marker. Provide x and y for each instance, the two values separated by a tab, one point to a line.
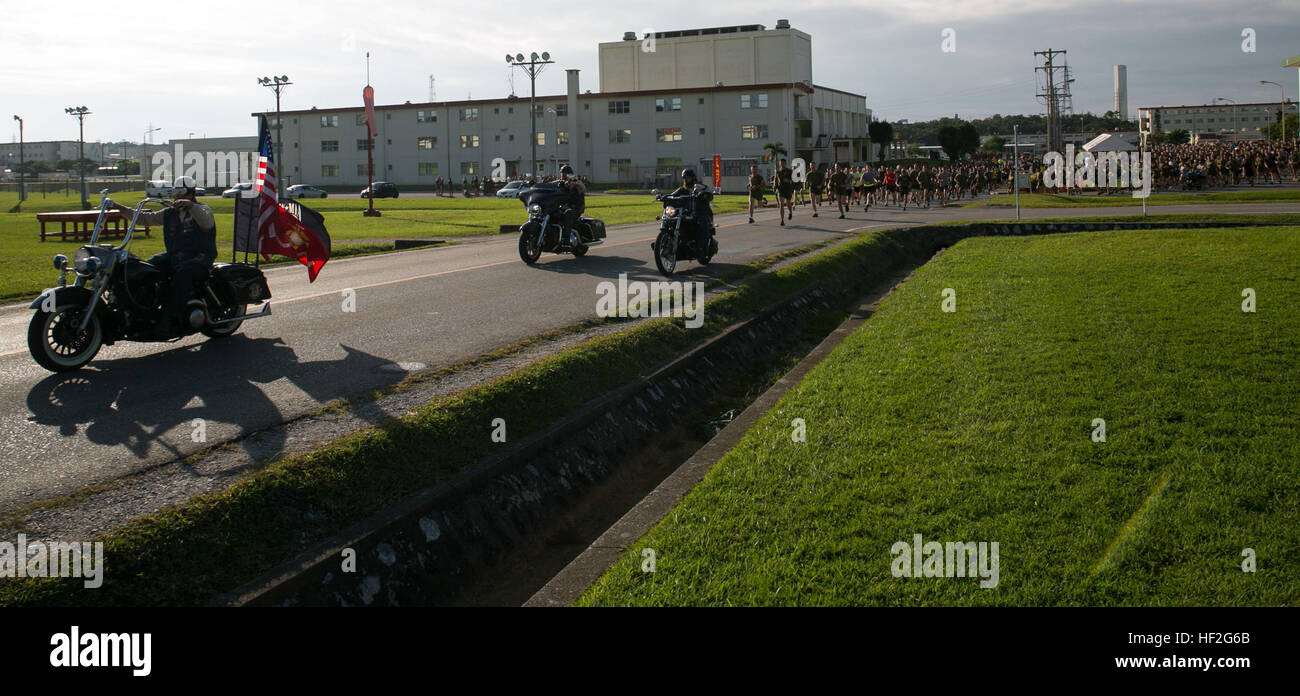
158	189
511	190
237	190
304	191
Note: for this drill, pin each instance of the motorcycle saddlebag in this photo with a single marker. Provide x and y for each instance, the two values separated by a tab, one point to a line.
243	282
597	228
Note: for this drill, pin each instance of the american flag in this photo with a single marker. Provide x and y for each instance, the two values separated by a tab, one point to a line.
266	216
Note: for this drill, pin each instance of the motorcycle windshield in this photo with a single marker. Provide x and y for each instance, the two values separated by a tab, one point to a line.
546	195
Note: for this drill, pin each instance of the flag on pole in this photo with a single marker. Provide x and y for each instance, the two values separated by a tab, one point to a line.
290	228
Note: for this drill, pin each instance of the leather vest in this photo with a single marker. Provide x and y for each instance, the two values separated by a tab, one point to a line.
187	241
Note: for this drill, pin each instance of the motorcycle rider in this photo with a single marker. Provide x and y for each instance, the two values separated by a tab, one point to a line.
703	211
190	239
577	202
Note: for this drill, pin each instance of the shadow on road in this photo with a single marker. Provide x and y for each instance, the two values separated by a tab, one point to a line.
609	267
136	401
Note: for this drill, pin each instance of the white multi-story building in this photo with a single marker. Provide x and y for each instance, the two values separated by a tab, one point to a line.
668	101
1222	120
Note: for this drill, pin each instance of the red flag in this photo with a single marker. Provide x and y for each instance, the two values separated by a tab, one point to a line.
299	233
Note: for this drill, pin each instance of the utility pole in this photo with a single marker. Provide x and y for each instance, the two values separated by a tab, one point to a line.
533	67
81	113
22	163
277	84
1052	95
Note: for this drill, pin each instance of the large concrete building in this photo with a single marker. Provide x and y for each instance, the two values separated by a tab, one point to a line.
673	99
1226	121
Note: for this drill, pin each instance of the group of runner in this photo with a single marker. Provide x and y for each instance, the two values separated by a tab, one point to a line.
917	184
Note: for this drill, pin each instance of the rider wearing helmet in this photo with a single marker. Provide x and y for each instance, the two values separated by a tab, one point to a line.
190	239
703	211
577	201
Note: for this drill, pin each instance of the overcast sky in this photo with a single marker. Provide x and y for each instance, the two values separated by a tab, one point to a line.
194	70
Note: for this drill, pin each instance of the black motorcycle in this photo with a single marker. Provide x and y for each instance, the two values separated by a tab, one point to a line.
548	204
677	230
118	297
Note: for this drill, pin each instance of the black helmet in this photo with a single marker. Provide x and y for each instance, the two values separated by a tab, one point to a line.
688	173
566	171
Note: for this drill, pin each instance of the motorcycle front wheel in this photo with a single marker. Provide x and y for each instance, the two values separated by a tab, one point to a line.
55	343
529	249
666	253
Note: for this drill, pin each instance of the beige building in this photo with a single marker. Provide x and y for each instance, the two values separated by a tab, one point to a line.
1227	121
663	104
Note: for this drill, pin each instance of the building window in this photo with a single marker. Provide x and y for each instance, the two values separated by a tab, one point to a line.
620	107
541	138
562	109
469	141
511	138
363	169
668	135
620	135
668	104
363	142
329	146
666	162
426	143
331	121
469	167
561	137
361	119
428	168
757	132
618	166
470	114
510	110
426	117
497	138
762	101
753	101
329	170
744	101
701	131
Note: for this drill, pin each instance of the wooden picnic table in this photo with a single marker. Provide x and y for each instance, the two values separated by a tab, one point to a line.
83	224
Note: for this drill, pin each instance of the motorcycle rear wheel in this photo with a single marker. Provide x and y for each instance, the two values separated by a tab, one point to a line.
54	342
223	330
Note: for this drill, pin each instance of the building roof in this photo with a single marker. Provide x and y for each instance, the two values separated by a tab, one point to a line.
1217	106
557	97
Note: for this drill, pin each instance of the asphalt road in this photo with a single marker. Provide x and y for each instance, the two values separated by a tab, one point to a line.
139	405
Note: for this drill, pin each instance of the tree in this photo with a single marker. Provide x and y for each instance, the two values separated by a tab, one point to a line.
1274	132
881	133
64	165
994	144
969	137
958	139
128	166
1177	137
774	151
35	167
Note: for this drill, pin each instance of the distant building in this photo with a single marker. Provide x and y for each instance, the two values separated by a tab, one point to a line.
213	162
1226	121
666	102
1121	91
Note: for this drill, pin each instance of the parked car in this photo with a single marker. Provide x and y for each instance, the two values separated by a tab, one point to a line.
511	190
304	191
383	189
158	189
237	190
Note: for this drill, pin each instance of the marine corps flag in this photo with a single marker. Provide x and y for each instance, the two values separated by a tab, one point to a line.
289	228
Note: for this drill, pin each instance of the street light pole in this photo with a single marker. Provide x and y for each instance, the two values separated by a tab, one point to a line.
533	67
1282	90
22	163
1235	125
81	113
277	84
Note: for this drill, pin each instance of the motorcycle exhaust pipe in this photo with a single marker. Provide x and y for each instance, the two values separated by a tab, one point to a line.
266	312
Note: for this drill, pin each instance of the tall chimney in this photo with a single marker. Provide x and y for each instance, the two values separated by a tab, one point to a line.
575	136
1121	91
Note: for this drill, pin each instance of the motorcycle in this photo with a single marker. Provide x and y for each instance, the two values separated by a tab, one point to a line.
118	297
677	227
547	204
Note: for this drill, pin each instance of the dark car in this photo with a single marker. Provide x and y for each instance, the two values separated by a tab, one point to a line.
383	189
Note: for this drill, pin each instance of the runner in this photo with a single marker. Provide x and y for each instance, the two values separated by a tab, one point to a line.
816	180
839	181
783	182
868	187
755	189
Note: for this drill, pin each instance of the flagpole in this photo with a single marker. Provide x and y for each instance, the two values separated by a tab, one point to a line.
368	95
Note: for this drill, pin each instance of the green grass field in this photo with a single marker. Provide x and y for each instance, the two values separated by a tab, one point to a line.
25	267
976	426
1054	200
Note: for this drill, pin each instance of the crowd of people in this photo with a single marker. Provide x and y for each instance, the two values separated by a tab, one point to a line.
1224	164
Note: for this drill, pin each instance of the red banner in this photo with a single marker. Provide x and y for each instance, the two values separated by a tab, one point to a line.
369	95
717	171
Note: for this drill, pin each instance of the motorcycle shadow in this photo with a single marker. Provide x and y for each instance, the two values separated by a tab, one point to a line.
636	269
164	399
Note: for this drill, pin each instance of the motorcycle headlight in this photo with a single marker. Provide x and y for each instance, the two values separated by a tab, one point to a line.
669	211
535	208
80	258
